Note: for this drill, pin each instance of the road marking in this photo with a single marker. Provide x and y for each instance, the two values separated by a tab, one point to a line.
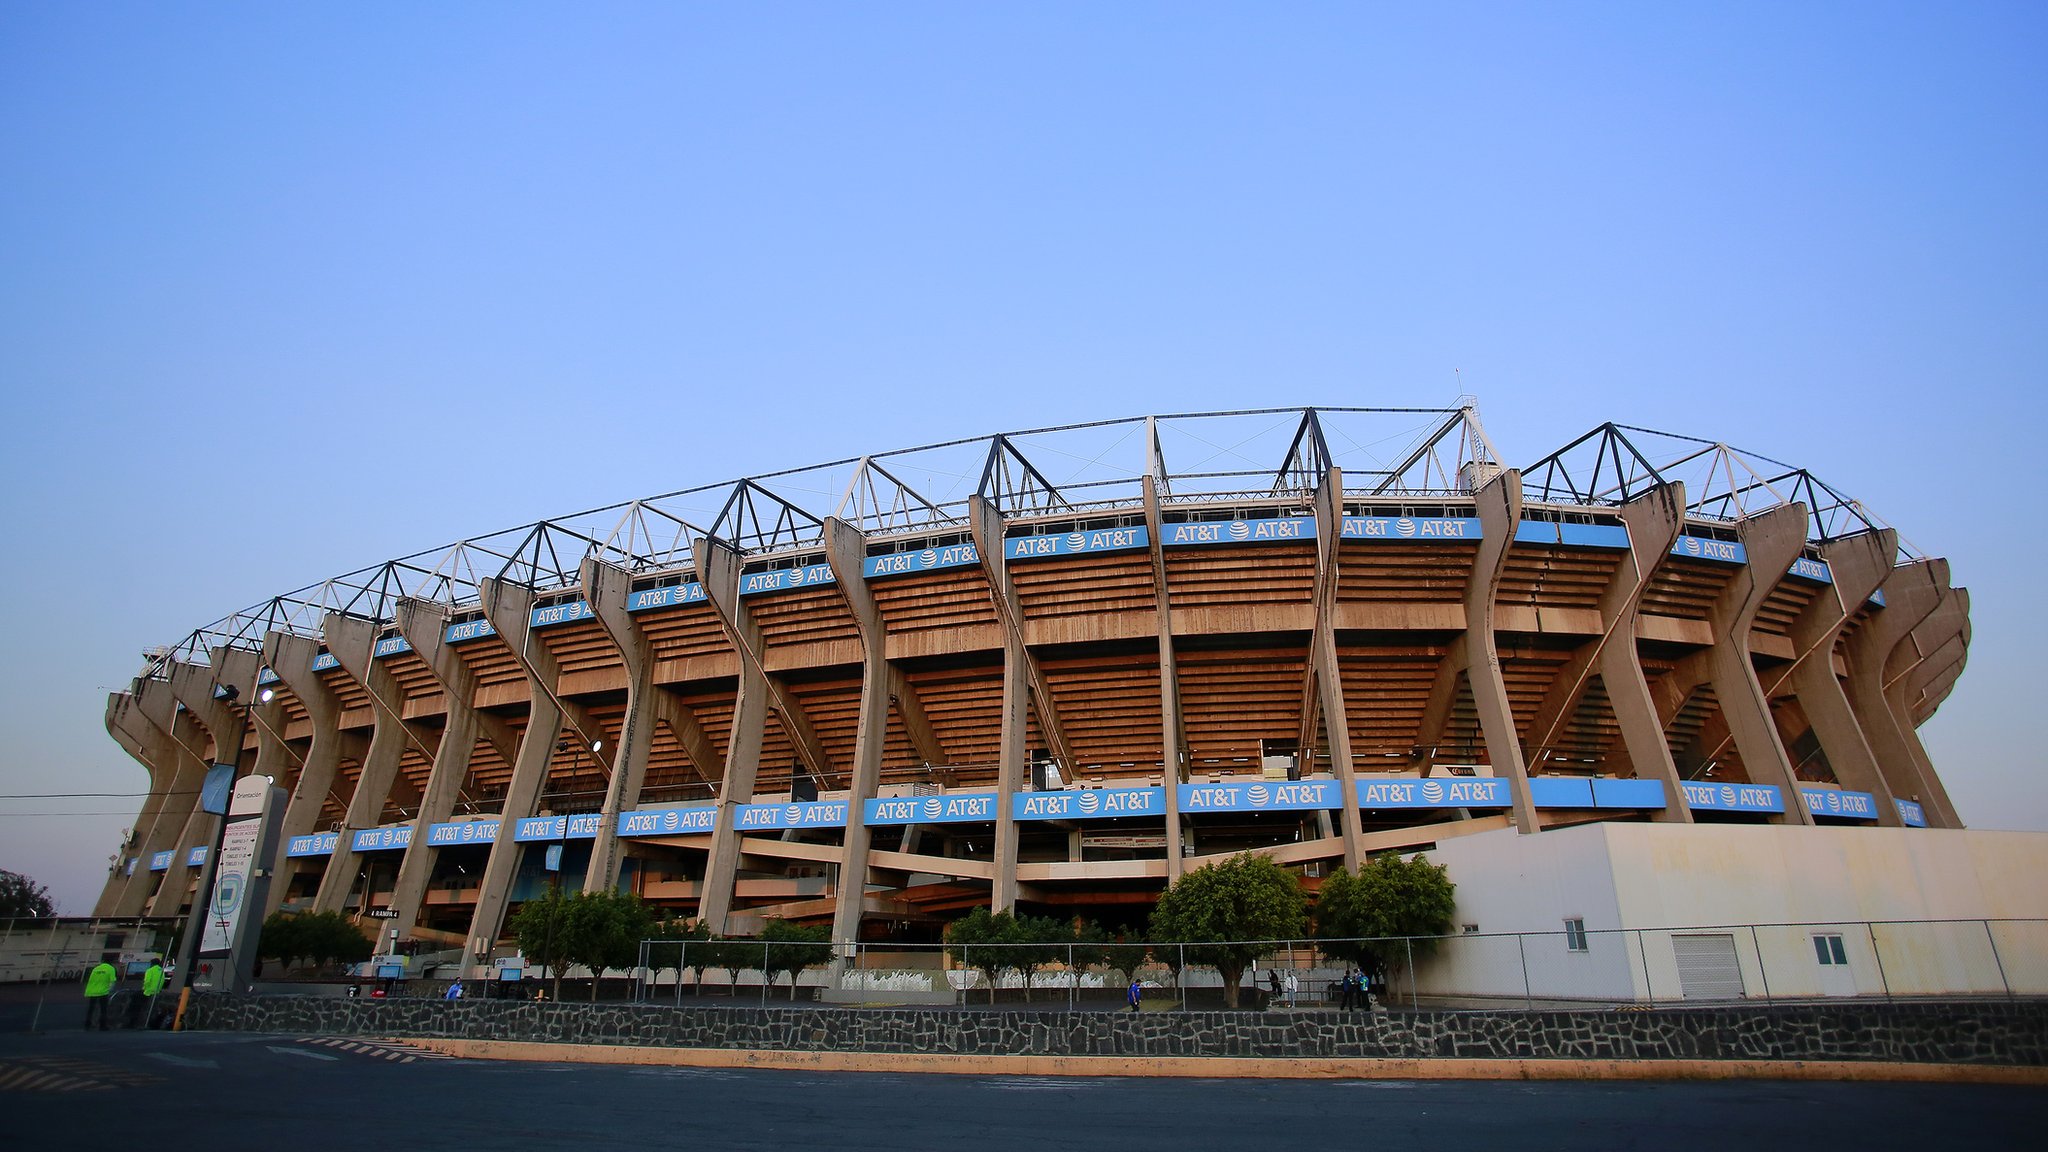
65	1074
183	1061
300	1052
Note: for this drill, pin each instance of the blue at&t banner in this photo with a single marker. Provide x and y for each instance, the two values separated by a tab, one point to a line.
1400	528
1088	804
1094	540
1839	802
265	676
382	839
195	857
1814	570
951	808
560	614
1261	796
391	646
646	598
1732	797
162	860
927	560
315	844
676	821
1571	535
324	661
469	630
1703	548
778	579
1911	814
462	832
1457	792
1273	529
583	826
796	814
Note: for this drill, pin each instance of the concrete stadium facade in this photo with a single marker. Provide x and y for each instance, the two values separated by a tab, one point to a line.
877	708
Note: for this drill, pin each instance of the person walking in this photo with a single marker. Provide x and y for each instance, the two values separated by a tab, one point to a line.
1135	994
99	989
1292	985
142	1010
1349	986
454	990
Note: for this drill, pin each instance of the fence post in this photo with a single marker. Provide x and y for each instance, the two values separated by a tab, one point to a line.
1414	994
36	1023
1871	929
764	973
1522	949
1762	971
1181	978
1996	959
1649	994
1073	981
682	954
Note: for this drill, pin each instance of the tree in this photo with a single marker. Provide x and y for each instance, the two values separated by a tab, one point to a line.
792	948
1126	956
604	930
281	939
322	937
1387	897
984	941
689	954
540	927
1228	913
23	897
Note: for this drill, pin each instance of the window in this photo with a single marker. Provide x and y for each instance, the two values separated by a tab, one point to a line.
1575	934
1827	948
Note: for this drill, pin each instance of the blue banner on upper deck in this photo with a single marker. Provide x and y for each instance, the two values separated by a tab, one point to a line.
951	808
582	826
315	844
1458	792
1815	570
1840	802
195	857
1261	796
462	832
469	630
795	814
324	661
1561	791
1732	797
1073	543
1911	814
265	676
1410	528
1571	535
1271	530
382	839
391	646
680	820
1704	548
1088	804
777	579
927	560
560	614
1626	793
162	860
641	601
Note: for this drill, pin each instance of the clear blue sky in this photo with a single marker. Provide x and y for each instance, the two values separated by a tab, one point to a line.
286	290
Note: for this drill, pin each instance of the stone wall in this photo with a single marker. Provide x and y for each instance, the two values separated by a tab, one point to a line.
1967	1033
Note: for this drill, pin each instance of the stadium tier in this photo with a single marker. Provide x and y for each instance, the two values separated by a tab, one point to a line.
877	692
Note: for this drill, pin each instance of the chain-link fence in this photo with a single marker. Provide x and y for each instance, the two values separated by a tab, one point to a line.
1573	967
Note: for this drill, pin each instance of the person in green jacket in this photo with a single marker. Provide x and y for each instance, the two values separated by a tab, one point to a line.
143	1007
99	988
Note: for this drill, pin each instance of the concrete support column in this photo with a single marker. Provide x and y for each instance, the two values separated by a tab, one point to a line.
606	587
1911	593
846	549
1500	514
1941	628
1326	673
718	568
424	624
197	691
164	813
1021	685
1857	565
178	827
353	643
509	607
1772	540
1173	740
1654	521
291	658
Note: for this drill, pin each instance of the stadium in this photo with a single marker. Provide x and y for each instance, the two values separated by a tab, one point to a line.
875	693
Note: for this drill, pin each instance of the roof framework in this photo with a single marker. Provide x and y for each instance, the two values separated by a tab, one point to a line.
1240	456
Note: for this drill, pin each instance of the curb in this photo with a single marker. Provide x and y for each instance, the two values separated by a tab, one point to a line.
1239	1068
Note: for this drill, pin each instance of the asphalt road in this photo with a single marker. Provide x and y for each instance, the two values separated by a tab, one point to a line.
70	1089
